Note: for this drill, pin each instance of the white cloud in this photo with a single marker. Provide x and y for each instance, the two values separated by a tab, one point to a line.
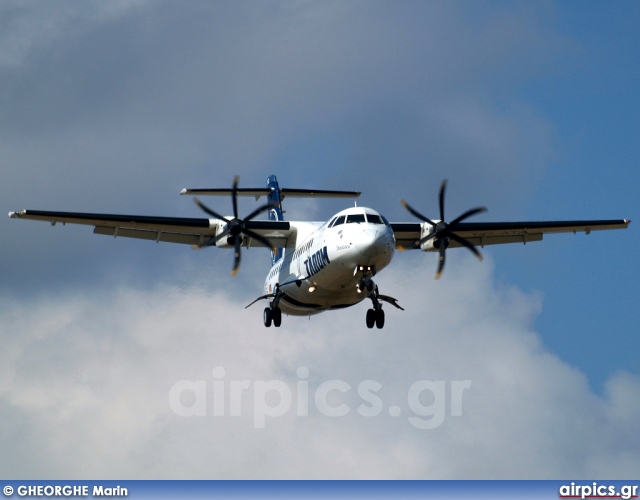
87	379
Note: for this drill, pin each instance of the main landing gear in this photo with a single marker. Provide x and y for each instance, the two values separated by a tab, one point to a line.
272	314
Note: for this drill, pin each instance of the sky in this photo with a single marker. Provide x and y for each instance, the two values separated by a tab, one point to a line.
530	109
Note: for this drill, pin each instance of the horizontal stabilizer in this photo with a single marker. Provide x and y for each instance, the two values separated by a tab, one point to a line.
284	192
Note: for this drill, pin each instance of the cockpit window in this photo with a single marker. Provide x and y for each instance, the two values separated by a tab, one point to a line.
386	222
332	221
358	218
339	220
374	219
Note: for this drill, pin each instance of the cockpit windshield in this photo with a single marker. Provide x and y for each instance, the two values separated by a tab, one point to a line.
374	219
337	221
357	218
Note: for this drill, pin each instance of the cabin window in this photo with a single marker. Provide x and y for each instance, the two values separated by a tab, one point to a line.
355	218
339	220
374	219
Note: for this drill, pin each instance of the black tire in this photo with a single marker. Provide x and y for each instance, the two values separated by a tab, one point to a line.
371	318
370	285
380	318
277	317
267	317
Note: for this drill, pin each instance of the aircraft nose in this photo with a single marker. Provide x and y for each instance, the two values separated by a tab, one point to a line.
376	241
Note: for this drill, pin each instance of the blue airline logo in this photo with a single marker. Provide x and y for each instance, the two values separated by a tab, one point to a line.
317	262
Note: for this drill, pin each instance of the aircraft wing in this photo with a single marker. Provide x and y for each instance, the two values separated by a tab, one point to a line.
498	233
190	231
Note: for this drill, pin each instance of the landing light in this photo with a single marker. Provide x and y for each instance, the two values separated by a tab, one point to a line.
312	289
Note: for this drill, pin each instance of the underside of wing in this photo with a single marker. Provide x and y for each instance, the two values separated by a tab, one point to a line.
497	233
190	231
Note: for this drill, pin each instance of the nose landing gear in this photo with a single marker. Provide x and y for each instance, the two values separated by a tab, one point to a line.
365	283
375	316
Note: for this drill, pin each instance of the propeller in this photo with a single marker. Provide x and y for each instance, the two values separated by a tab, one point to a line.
236	227
442	232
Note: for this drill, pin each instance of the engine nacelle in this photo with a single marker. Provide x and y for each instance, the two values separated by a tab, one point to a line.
221	226
425	229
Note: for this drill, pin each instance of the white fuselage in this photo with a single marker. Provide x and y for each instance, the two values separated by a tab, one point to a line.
324	269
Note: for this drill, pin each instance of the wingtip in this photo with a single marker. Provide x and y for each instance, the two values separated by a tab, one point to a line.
184	191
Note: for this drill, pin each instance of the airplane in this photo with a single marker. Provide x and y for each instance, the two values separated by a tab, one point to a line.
320	266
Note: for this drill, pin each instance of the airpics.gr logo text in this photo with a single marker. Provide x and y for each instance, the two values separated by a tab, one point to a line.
426	400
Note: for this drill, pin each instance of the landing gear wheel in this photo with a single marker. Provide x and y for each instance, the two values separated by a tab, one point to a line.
267	317
277	317
370	284
379	318
371	318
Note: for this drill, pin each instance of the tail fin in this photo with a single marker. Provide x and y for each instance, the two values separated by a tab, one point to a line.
275	213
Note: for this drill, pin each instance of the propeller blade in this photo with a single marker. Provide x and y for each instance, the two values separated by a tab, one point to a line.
443	186
467	214
209	211
443	231
259	210
260	238
236	256
234	196
466	243
416	214
235	226
442	249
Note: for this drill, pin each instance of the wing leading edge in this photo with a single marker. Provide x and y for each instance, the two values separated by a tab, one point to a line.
498	233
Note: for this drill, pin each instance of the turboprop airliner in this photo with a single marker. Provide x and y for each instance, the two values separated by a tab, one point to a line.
320	266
